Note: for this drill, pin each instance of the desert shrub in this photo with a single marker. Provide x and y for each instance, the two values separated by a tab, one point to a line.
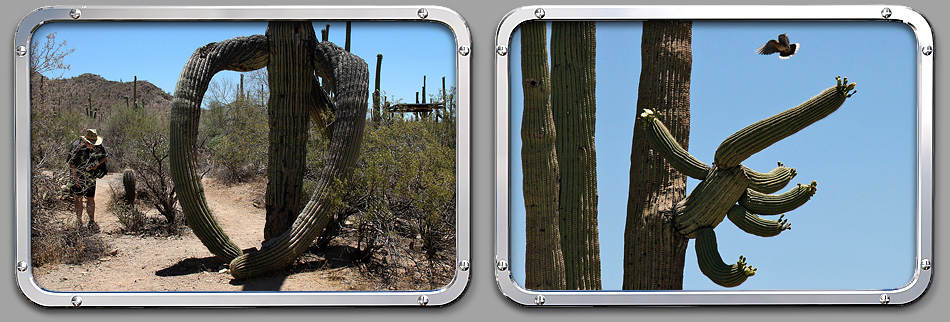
141	142
52	239
128	215
400	200
239	150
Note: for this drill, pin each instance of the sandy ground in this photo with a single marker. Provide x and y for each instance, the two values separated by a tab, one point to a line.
182	263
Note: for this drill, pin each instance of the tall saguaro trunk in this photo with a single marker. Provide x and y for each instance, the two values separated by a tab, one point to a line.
290	78
544	262
573	52
654	252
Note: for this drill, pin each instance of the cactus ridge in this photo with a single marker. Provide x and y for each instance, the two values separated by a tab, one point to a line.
772	181
727	182
711	264
766	204
760	135
753	224
662	140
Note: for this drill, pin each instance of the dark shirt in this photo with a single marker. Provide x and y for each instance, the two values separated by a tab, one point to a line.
85	159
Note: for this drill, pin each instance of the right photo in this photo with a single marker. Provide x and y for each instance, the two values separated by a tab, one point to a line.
713	155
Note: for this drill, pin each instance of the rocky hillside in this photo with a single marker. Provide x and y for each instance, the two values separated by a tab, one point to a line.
78	92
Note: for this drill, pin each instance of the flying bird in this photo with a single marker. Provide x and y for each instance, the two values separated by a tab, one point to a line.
780	46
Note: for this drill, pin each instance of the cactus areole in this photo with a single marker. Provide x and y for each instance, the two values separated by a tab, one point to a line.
349	77
728	189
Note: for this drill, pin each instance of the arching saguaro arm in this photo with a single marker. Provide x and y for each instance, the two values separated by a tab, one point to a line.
349	76
237	54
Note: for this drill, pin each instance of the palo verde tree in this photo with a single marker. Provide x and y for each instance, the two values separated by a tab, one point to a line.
293	59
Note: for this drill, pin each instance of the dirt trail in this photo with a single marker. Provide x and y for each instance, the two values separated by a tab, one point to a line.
182	263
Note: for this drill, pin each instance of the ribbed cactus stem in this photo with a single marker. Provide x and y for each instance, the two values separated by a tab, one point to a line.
350	78
707	204
711	264
128	182
573	105
756	225
544	260
663	142
237	54
765	204
377	102
760	135
772	181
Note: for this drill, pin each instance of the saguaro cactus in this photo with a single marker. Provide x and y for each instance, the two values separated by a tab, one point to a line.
128	182
573	82
544	261
731	190
349	77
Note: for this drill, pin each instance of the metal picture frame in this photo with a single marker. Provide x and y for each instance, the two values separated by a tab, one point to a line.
442	296
924	159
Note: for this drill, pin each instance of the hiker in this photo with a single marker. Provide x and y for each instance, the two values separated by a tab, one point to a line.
86	164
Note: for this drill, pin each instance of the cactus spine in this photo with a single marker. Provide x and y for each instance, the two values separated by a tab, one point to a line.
728	182
573	82
544	261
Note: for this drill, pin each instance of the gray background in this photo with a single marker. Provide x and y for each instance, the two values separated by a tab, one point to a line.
482	300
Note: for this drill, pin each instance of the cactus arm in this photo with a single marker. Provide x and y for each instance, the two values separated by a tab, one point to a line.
765	204
238	54
756	225
760	135
350	79
708	203
769	182
663	142
711	264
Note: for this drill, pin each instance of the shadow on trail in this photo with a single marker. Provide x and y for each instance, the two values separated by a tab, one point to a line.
314	260
191	266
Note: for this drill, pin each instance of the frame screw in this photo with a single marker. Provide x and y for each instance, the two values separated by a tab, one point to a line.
501	50
885	299
22	266
539	300
21	50
539	13
423	13
75	13
886	13
927	50
423	300
76	301
924	264
464	50
464	265
502	265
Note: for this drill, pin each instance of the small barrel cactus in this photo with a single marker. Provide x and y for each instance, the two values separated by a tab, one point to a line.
729	189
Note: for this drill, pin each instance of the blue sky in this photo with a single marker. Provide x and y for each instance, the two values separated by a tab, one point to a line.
857	232
156	51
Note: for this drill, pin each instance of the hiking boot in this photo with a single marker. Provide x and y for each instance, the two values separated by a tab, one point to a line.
93	227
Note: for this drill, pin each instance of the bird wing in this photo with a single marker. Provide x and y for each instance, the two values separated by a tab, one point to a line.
769	48
792	49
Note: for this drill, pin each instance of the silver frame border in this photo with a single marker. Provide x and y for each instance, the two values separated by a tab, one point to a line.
438	297
925	145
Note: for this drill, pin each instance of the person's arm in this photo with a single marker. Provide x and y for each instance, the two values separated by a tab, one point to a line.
74	174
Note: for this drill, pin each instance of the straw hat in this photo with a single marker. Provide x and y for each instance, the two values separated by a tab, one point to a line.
92	136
